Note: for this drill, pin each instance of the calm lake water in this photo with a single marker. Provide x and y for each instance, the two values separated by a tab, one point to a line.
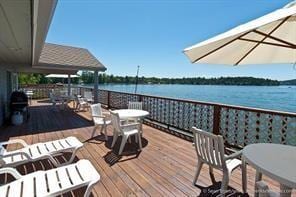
281	98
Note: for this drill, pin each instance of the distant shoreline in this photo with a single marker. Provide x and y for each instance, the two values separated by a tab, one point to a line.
91	84
87	77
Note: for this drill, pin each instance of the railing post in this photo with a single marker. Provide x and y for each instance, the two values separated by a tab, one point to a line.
216	119
108	99
140	98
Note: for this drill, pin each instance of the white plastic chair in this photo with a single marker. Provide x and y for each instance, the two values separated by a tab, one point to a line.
53	99
81	103
99	119
125	131
88	97
53	182
38	151
210	150
135	105
263	190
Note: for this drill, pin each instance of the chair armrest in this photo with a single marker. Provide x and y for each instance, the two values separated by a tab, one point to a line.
10	154
98	116
14	141
234	155
11	171
106	113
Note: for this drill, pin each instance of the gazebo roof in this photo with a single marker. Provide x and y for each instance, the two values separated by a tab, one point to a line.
60	57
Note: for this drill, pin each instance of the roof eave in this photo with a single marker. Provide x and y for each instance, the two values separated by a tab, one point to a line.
43	12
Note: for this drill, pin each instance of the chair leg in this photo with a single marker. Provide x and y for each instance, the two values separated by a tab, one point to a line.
88	189
94	131
115	136
105	132
212	176
102	128
225	182
55	163
197	172
70	160
123	142
244	176
140	140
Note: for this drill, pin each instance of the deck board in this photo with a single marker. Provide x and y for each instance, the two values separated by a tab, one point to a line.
165	166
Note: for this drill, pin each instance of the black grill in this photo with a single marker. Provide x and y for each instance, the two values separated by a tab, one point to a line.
19	102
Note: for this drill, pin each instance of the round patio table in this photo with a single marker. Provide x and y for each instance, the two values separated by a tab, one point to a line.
135	114
275	161
125	114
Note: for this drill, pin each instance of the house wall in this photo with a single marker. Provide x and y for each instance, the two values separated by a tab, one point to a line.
5	91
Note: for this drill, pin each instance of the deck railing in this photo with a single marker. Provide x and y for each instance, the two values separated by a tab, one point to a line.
238	125
42	90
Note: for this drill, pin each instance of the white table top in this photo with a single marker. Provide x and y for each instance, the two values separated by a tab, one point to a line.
131	113
273	160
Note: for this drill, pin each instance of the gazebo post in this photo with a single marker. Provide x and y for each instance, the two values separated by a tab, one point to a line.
96	86
69	84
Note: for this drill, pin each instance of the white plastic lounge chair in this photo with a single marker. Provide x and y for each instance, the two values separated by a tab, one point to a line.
210	150
125	131
264	191
38	151
135	105
99	118
51	182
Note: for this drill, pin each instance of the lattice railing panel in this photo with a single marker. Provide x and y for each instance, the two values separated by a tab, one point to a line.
179	114
242	127
120	100
103	97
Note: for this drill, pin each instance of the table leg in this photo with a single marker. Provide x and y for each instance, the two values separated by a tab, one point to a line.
141	127
258	178
285	191
244	175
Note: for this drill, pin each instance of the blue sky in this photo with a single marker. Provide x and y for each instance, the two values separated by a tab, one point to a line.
152	34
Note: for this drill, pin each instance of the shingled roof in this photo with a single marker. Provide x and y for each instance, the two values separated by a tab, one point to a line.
55	56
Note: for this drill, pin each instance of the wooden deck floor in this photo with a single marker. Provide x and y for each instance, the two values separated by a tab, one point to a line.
165	166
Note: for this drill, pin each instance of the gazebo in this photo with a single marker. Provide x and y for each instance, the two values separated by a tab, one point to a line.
60	59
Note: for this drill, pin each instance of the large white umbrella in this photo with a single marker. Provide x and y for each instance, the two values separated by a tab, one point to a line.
268	39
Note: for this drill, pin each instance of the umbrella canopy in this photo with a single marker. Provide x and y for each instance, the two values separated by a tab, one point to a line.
60	76
268	39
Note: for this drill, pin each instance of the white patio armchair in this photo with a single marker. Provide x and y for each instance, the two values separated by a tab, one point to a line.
88	96
81	103
53	182
38	151
135	105
210	150
126	131
100	119
53	99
